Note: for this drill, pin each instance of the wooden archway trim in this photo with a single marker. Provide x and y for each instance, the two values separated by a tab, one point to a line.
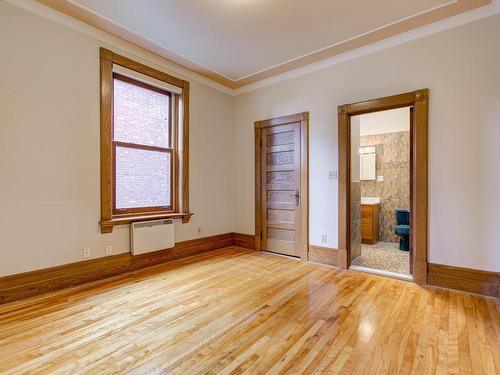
419	100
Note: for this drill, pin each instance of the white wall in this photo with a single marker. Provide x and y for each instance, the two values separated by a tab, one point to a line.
49	146
49	139
461	68
391	121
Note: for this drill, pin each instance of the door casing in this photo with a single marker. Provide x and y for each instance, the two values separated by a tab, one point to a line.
303	119
419	100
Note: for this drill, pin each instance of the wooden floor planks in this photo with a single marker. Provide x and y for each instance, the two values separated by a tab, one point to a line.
238	311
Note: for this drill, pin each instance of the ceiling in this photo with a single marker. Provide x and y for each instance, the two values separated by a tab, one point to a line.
236	42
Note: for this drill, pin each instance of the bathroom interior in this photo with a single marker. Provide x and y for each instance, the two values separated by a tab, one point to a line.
380	192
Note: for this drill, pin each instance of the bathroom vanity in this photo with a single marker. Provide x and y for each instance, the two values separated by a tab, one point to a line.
370	213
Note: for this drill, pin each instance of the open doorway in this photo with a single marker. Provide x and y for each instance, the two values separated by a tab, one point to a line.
349	229
380	191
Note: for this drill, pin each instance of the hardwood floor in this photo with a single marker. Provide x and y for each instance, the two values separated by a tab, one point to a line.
238	311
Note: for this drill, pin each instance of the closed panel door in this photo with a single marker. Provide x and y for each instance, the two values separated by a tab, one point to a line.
280	181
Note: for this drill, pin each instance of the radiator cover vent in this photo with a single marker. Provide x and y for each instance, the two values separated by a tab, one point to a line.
154	235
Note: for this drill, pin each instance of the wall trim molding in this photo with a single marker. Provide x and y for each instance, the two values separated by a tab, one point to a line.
444	276
457	15
406	37
246	241
33	283
29	284
408	23
322	255
465	279
117	44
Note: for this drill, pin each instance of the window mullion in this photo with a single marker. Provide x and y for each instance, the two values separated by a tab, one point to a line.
142	146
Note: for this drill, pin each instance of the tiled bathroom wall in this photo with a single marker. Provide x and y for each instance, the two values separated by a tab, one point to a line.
393	163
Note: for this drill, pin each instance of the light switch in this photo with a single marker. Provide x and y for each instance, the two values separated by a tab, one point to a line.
380	178
332	175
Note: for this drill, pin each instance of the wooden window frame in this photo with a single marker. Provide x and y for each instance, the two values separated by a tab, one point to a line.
178	146
171	149
419	100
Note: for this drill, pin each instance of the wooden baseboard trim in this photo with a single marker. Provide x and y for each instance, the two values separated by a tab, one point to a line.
246	241
323	255
29	284
466	279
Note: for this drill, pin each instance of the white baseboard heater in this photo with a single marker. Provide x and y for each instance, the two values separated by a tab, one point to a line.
148	236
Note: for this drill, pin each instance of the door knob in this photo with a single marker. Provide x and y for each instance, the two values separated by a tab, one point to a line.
297	197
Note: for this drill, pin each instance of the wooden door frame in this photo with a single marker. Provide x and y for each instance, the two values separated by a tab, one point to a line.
303	119
419	99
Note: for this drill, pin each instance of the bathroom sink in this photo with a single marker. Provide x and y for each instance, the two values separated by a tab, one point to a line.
370	200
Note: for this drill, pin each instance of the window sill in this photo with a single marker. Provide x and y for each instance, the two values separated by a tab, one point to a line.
107	225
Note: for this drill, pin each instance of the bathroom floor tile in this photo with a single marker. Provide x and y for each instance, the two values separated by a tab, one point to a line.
384	256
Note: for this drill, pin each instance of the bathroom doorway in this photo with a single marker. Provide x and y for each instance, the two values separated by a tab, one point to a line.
404	221
380	192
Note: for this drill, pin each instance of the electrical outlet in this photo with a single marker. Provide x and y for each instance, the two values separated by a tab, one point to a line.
108	250
86	252
324	238
332	175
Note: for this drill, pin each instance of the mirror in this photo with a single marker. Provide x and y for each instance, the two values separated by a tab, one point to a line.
367	163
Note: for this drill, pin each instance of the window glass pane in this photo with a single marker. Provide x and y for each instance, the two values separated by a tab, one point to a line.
140	115
142	178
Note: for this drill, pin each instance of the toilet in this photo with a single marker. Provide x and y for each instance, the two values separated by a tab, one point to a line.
402	228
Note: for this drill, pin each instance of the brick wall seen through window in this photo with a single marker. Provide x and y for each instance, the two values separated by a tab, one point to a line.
142	145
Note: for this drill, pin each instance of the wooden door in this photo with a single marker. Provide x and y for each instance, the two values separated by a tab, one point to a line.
411	189
281	189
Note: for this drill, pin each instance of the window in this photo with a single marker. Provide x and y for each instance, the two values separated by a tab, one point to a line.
144	143
142	147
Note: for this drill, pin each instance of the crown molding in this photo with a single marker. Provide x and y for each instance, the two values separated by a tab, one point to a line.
98	21
118	44
419	26
449	23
